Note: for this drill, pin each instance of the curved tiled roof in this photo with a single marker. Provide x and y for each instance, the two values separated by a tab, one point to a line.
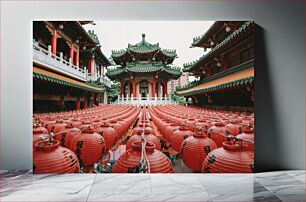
188	66
235	76
41	74
143	47
142	68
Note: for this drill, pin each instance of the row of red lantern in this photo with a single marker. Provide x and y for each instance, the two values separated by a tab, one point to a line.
90	144
194	145
130	161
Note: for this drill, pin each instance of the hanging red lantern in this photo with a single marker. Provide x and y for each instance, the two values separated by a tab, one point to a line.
49	157
38	134
170	130
233	128
179	136
109	134
56	127
85	123
204	125
194	150
247	138
64	137
231	158
88	146
151	130
129	162
217	133
117	126
76	122
148	137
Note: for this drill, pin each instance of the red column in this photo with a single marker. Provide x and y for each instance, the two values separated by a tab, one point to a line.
153	87
134	88
77	57
85	103
121	89
89	65
71	55
54	42
77	105
97	99
165	89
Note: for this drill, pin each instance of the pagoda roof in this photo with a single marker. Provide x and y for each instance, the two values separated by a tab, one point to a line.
40	74
230	78
197	41
144	68
143	47
232	37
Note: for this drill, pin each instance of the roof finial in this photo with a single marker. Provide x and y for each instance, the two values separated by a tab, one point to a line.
143	36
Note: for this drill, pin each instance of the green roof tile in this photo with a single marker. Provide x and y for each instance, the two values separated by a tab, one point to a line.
187	66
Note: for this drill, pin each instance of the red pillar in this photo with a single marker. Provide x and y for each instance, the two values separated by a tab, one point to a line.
153	87
134	88
54	42
77	105
121	89
71	55
85	103
89	65
97	99
165	89
77	57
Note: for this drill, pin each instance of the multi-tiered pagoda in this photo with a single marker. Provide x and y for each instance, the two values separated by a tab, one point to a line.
144	69
226	73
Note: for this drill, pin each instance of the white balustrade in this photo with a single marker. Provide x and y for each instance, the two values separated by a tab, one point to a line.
56	63
59	64
144	102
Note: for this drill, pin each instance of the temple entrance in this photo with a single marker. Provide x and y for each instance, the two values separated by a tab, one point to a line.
143	89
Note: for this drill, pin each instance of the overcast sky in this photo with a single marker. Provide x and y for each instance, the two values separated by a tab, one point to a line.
114	35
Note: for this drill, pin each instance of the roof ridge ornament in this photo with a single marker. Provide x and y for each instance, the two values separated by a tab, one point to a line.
143	37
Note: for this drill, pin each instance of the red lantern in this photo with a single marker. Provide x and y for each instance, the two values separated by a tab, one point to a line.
109	134
179	136
204	125
88	146
38	134
56	127
247	138
194	150
231	158
217	133
52	158
148	137
170	130
118	127
129	162
65	136
233	128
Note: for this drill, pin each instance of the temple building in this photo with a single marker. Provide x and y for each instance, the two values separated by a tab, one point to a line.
143	70
225	75
68	67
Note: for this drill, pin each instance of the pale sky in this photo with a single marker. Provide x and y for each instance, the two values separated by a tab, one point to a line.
114	35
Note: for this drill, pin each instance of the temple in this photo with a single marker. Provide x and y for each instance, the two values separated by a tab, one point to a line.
225	74
68	67
143	70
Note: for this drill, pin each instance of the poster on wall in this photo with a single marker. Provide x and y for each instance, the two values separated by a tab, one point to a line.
143	96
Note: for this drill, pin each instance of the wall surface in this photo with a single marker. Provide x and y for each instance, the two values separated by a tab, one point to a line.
280	67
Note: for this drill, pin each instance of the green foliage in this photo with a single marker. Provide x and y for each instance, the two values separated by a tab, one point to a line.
113	92
178	99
